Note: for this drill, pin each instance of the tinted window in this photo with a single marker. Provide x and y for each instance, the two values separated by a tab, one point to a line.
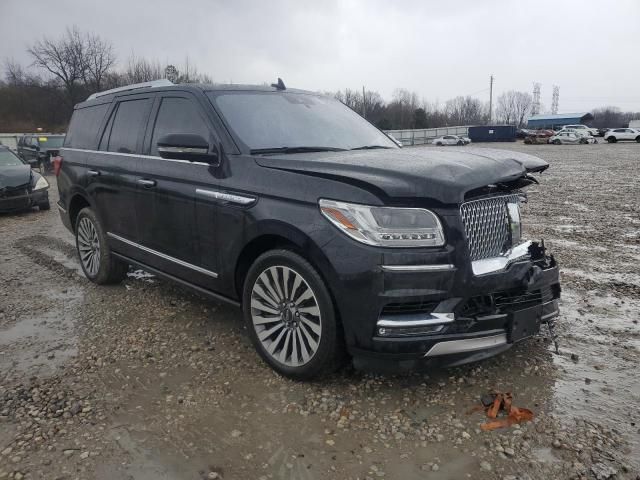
263	120
620	130
128	125
84	126
177	115
50	142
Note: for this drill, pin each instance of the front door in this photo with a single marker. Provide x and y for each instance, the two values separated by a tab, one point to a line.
166	199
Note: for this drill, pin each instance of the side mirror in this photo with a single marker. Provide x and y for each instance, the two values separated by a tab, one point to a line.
186	146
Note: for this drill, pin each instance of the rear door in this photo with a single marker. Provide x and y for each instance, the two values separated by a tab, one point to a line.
172	220
113	171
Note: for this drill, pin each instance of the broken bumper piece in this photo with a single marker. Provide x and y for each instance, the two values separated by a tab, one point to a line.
504	305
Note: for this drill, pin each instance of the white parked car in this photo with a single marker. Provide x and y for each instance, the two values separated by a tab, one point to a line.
584	128
451	140
570	138
616	134
580	132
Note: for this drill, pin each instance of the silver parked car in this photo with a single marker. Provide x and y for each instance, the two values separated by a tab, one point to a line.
570	138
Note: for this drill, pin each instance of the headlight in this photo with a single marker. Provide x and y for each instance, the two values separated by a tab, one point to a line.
513	209
41	183
385	226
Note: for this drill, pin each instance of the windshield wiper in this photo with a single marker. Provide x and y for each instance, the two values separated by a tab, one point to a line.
257	151
370	147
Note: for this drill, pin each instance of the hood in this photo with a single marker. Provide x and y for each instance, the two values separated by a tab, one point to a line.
438	174
14	176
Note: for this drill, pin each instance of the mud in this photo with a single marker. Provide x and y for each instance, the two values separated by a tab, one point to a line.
146	381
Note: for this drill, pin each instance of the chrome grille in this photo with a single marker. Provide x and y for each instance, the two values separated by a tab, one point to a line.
486	224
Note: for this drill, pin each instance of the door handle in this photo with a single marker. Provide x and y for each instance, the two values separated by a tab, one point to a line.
147	183
93	173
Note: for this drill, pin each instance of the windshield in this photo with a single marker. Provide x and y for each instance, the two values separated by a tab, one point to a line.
50	142
9	159
276	120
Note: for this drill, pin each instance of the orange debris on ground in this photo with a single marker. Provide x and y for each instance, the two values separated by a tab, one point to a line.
503	402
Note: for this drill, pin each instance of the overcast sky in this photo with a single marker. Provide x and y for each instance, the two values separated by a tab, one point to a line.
590	49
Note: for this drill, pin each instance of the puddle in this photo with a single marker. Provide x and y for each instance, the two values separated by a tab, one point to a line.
600	277
39	345
544	454
601	382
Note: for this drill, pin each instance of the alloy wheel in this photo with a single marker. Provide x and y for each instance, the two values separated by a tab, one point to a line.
286	316
89	246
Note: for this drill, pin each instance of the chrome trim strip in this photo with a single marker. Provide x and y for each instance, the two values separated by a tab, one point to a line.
226	197
499	264
418	268
419	320
162	255
549	315
496	316
61	208
151	157
467	345
199	150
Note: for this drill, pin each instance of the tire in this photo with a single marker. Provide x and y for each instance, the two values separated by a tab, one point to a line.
583	141
460	143
612	139
44	205
278	286
439	144
557	142
638	139
96	259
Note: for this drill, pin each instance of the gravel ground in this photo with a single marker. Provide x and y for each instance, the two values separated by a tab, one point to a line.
145	381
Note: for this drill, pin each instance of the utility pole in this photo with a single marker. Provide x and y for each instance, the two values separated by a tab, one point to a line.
364	103
490	97
535	106
555	99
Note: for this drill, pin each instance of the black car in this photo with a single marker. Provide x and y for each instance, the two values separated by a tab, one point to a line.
20	187
39	149
290	205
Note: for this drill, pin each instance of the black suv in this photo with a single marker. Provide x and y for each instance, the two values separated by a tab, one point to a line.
39	149
331	238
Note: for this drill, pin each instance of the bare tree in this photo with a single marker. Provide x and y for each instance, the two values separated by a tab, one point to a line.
465	111
141	70
514	107
79	61
99	59
14	74
62	58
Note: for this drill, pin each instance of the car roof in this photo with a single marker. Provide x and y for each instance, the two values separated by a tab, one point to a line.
107	97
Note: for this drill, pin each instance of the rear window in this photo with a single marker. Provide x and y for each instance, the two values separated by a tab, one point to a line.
127	126
84	126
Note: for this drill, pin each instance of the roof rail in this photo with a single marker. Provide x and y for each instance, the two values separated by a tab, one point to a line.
154	83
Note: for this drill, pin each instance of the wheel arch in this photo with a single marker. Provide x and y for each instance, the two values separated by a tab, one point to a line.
274	235
78	202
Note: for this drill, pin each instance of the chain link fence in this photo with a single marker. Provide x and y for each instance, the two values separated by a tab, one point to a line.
425	135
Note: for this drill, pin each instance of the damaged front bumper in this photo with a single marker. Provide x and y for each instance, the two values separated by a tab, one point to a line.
486	309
